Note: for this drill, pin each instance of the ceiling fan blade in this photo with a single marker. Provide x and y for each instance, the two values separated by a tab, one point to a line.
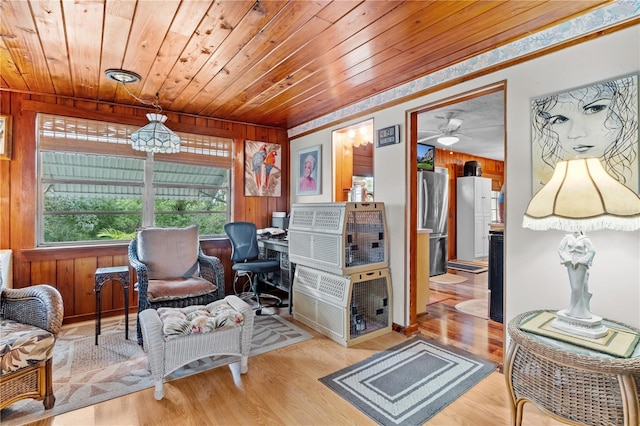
454	124
484	128
428	138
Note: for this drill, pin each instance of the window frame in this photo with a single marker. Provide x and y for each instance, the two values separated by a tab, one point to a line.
60	133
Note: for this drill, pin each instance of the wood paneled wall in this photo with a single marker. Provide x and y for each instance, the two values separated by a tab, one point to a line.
363	160
454	162
71	269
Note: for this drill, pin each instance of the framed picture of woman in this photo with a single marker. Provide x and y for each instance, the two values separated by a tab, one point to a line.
600	120
310	170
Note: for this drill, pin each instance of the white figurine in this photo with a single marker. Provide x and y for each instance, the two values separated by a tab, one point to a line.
576	253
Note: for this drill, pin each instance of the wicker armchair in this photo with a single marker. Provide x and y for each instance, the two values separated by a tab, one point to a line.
31	318
173	271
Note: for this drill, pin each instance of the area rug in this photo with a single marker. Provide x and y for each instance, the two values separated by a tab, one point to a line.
85	374
476	307
409	383
447	279
467	267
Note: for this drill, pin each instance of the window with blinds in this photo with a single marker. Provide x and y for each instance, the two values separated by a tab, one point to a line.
94	187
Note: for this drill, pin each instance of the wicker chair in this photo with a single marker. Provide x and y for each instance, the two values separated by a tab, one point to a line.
31	318
172	270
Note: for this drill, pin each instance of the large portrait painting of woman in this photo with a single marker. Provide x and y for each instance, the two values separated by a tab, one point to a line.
310	168
600	120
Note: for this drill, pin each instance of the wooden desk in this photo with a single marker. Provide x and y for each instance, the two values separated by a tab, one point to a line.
569	383
271	248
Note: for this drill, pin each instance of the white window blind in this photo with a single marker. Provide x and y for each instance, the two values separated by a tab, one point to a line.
61	133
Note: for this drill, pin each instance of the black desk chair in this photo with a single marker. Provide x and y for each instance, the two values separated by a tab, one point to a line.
244	255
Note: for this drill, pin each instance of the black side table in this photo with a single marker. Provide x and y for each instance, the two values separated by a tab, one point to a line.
115	273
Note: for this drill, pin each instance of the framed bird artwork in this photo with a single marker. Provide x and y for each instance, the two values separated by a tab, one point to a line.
262	169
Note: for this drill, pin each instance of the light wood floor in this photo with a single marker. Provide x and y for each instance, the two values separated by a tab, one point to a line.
282	386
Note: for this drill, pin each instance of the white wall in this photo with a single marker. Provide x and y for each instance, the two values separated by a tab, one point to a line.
533	275
389	187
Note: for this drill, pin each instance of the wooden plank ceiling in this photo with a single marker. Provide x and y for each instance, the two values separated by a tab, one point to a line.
270	62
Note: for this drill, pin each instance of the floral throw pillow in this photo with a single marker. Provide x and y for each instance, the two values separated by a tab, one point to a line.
198	319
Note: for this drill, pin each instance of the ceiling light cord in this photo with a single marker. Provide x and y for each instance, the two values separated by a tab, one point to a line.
155	137
155	103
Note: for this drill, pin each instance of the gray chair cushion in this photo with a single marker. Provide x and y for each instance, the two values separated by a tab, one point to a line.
169	252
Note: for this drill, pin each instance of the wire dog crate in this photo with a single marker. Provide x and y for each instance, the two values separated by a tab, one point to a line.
347	309
341	238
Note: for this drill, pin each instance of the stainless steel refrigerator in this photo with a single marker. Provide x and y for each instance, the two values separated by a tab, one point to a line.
433	211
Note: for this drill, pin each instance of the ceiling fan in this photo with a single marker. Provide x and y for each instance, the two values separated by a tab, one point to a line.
448	132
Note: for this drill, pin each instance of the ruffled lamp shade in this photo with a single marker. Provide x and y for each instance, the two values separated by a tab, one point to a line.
156	137
582	196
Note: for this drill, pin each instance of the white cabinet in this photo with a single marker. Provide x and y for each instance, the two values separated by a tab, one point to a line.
473	217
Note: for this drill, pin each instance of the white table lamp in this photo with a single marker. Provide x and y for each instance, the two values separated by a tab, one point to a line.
581	196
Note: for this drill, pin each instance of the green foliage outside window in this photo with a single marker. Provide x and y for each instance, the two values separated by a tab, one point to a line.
209	215
90	219
118	219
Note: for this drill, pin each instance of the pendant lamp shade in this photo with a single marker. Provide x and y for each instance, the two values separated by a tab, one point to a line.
582	196
156	137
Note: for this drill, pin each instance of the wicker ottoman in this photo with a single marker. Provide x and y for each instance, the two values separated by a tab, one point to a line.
169	349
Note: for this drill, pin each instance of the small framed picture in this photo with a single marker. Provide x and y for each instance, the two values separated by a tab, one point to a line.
5	137
310	170
426	157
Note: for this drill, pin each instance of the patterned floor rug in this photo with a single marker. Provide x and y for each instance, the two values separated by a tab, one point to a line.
85	374
409	383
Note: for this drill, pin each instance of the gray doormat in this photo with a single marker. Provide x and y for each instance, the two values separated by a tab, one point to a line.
475	269
409	383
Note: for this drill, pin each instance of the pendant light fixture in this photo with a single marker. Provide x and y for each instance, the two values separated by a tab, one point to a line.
154	137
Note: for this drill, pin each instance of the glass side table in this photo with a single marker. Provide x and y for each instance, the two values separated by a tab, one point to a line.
570	383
